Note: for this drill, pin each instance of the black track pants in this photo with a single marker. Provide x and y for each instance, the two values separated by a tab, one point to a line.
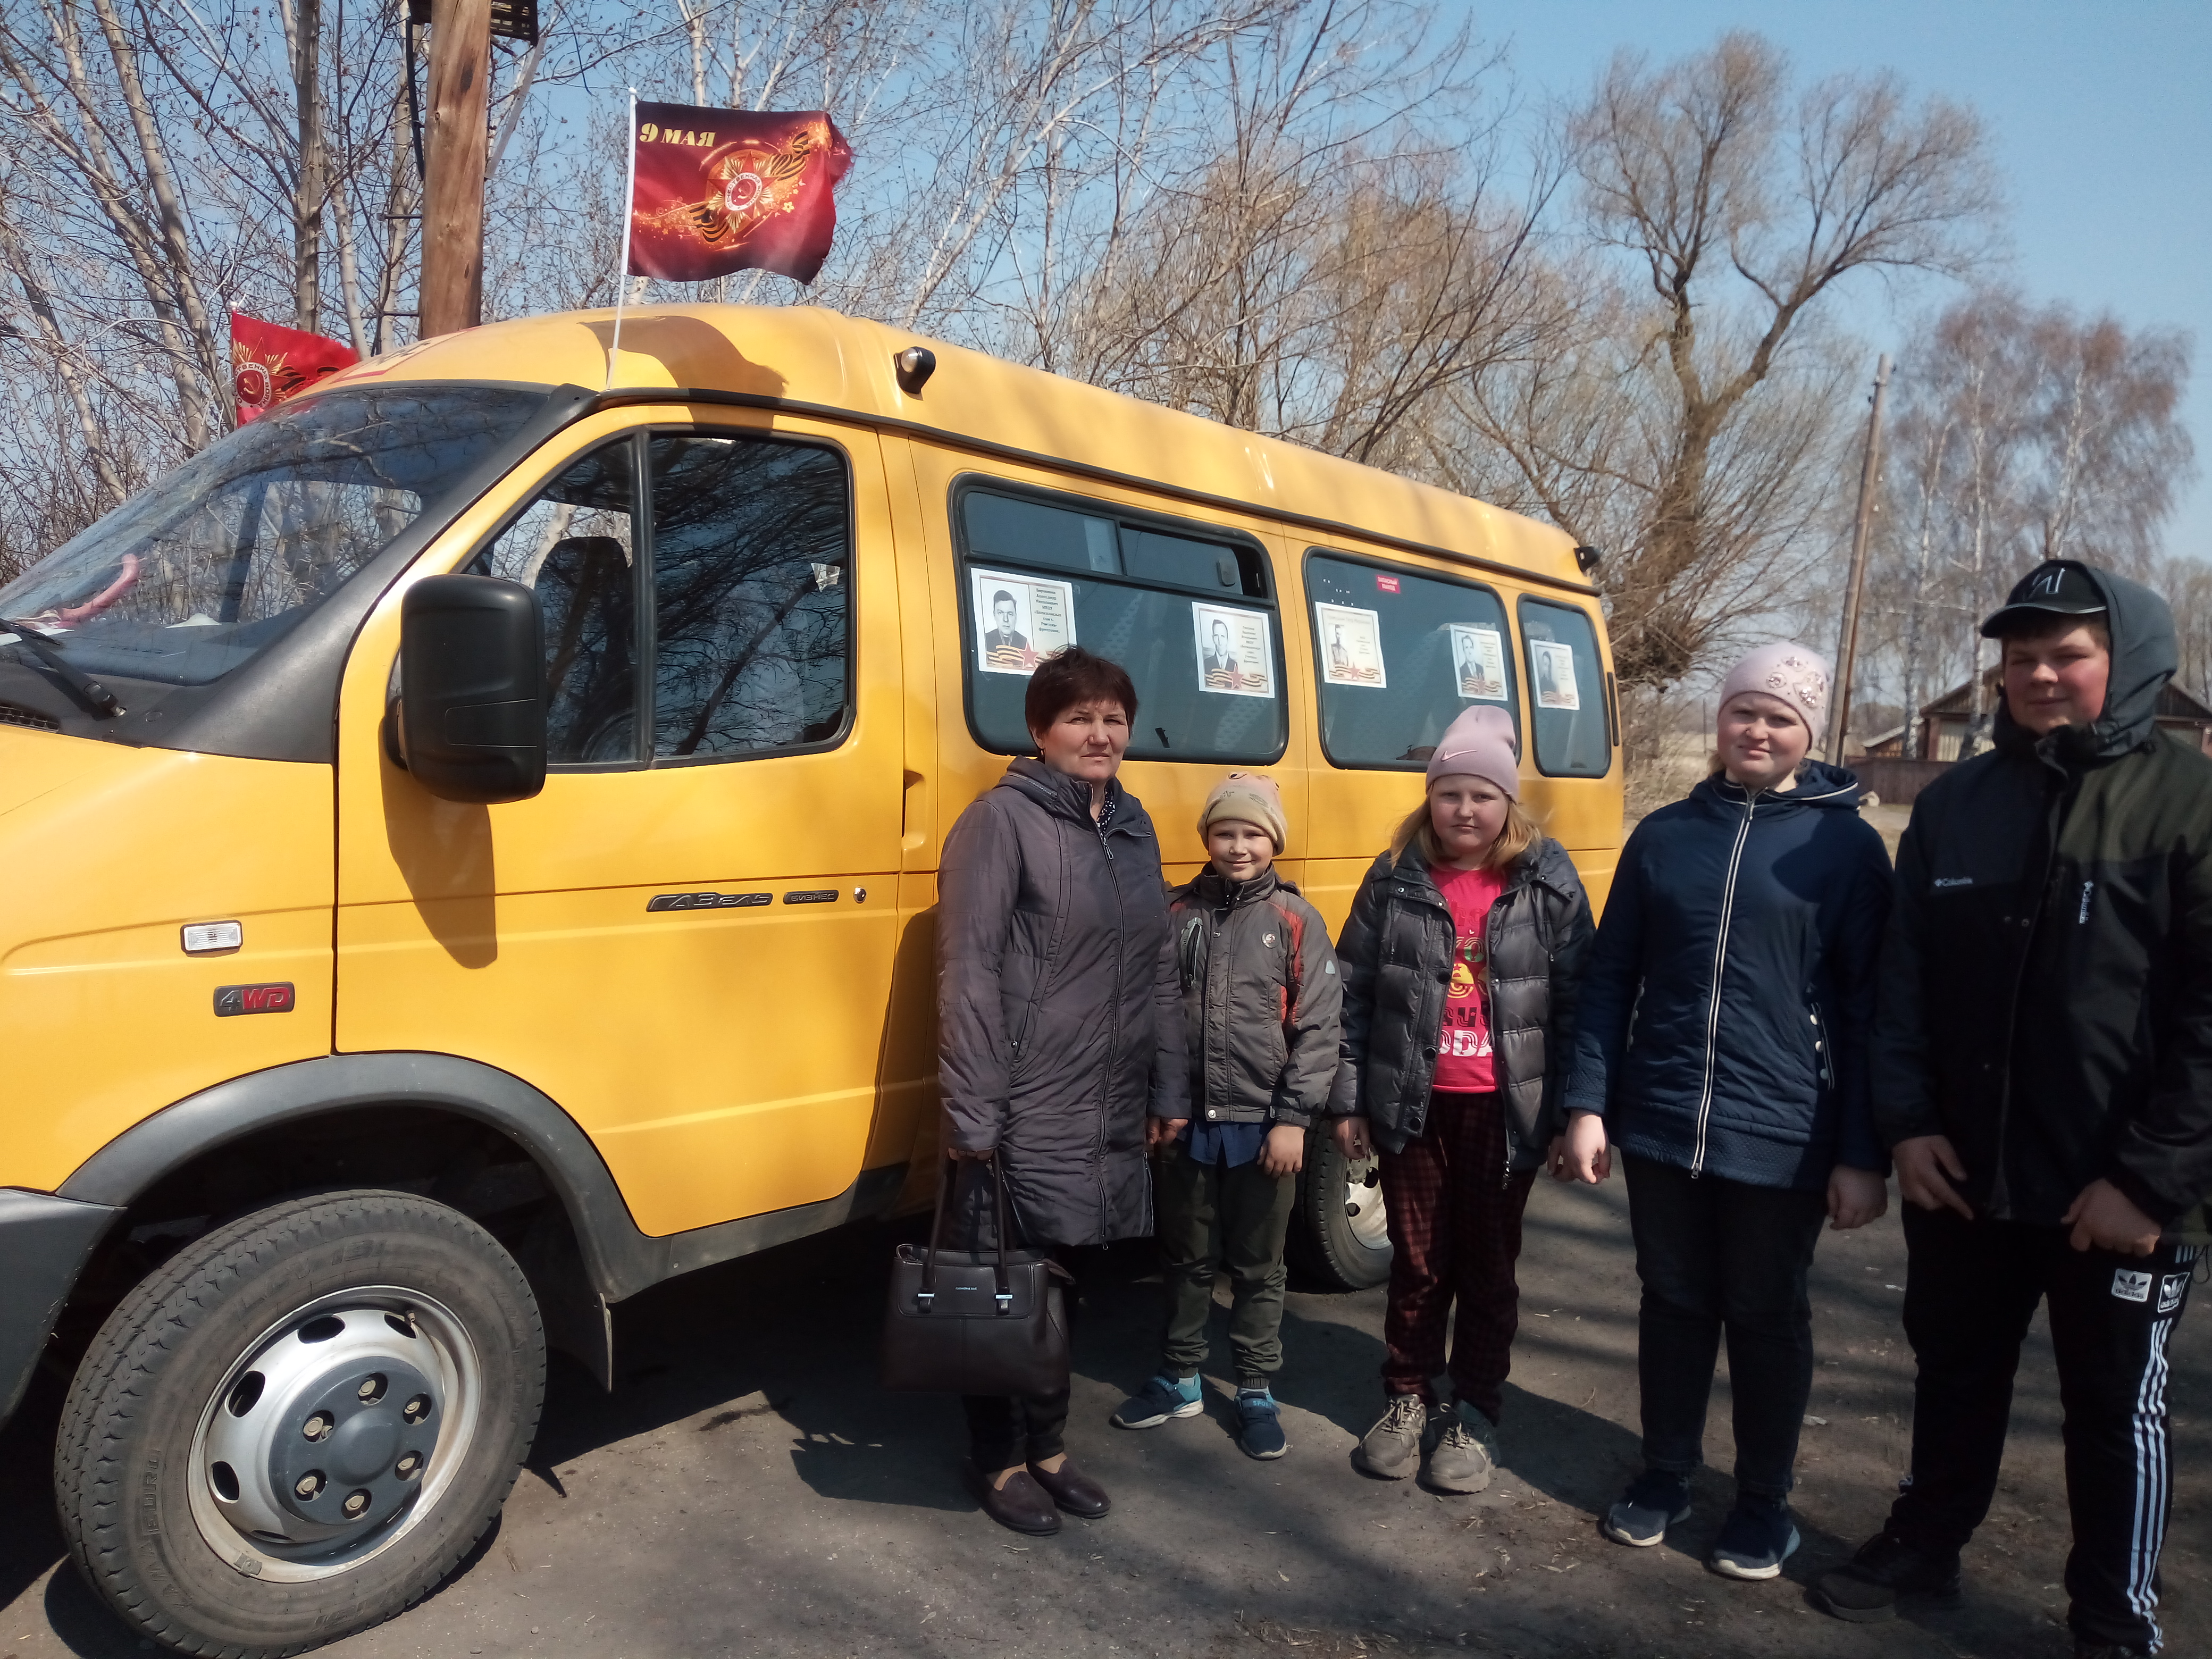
1970	1290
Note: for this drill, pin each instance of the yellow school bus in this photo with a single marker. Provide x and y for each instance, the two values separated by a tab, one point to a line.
470	841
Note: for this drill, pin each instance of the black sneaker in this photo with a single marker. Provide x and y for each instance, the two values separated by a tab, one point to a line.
2106	1651
1865	1590
1756	1539
1655	1501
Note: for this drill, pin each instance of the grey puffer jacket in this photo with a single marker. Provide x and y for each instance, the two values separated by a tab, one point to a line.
1261	999
1060	1013
1396	954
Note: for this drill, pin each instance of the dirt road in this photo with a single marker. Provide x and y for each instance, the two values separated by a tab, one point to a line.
749	1491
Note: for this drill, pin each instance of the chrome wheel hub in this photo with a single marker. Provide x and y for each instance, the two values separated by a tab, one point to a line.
333	1433
1363	1204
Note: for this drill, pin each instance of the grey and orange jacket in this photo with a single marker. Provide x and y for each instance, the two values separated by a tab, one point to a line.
1261	999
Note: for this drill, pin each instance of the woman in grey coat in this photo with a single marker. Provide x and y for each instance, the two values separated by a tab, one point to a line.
1060	1049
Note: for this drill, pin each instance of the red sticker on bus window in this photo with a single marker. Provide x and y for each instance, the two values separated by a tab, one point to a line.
1386	584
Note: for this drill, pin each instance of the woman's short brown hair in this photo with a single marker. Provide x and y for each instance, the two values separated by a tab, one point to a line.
1071	676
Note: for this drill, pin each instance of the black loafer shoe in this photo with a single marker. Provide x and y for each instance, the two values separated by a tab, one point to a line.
1073	1490
1020	1504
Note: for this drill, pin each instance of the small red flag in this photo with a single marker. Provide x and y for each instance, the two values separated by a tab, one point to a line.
722	190
270	362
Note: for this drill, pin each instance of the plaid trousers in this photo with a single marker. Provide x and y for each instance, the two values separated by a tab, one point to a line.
1454	1220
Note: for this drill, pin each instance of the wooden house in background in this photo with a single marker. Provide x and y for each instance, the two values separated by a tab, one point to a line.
1943	723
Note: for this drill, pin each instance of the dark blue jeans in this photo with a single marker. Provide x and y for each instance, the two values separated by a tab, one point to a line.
1721	1256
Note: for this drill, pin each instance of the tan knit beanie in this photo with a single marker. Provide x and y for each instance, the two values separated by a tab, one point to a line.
1250	797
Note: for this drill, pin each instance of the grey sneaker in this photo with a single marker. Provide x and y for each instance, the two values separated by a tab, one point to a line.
1392	1449
1466	1454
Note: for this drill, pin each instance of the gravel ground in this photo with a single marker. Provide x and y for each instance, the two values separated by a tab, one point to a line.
748	1490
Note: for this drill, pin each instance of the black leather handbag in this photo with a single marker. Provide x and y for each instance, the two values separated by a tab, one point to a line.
975	1322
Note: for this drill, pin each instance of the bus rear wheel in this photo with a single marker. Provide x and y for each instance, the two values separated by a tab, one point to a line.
299	1423
1338	1231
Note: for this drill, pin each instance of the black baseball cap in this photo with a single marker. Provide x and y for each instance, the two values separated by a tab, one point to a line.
2056	587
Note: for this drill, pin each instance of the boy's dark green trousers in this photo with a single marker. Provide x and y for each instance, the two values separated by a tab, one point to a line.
1208	1218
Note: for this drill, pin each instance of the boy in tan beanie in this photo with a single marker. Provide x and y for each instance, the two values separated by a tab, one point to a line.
1261	998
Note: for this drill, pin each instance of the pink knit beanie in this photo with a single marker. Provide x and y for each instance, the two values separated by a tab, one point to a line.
1480	744
1795	673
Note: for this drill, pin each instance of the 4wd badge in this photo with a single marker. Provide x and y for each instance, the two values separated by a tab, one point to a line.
254	999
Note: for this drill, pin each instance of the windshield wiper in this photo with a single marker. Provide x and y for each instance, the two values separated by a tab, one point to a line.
102	700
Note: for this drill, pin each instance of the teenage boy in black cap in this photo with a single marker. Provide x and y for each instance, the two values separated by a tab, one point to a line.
2043	1074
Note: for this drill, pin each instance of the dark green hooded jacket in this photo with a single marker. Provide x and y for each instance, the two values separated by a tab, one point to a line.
2046	999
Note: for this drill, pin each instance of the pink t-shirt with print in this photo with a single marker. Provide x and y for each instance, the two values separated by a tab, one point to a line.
1463	1059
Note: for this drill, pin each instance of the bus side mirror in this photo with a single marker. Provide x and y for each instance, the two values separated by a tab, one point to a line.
472	707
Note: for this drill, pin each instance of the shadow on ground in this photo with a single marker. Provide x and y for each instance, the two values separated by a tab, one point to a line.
747	1487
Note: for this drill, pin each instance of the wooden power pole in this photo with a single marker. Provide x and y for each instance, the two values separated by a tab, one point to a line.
452	207
1847	646
308	196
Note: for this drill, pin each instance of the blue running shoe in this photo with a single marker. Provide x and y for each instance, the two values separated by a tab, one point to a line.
1757	1537
1157	1401
1655	1501
1260	1424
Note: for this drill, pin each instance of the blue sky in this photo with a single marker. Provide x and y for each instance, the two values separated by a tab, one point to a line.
2101	117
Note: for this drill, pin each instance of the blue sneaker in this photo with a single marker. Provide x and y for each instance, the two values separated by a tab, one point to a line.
1157	1401
1655	1501
1757	1537
1260	1424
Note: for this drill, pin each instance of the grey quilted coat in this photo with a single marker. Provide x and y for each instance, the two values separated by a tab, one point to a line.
1059	1010
1396	953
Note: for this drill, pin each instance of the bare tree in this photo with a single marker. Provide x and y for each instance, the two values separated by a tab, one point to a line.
1739	210
1321	266
2023	434
2187	584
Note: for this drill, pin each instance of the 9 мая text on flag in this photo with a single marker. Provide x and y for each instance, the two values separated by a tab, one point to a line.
719	191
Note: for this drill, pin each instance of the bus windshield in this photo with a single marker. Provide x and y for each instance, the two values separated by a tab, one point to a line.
196	575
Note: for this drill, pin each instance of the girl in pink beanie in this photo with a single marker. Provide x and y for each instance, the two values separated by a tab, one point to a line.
1461	961
1722	1050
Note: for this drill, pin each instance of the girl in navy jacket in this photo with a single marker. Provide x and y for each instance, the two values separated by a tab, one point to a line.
1722	1049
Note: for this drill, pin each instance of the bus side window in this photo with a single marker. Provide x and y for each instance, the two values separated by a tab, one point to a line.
576	546
1399	654
1566	690
1190	617
752	596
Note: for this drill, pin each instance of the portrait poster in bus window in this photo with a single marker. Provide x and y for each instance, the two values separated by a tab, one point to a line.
1554	666
1350	646
1477	663
1019	620
1235	654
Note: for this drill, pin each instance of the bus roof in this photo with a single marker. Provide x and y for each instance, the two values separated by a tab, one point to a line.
812	359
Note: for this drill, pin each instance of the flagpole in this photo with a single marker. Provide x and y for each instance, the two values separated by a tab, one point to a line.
622	270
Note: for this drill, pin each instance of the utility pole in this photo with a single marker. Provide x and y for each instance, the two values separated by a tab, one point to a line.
1847	646
308	194
452	208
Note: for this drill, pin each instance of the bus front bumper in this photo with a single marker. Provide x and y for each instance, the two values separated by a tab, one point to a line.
44	1241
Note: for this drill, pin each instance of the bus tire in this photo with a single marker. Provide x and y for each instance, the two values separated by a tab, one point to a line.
1338	1233
299	1424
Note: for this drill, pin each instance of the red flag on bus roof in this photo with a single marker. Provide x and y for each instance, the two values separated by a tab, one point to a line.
270	362
719	190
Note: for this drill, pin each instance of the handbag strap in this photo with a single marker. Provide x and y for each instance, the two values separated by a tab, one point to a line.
999	1203
948	1175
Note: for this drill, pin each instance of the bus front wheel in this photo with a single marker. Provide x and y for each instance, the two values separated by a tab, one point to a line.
299	1422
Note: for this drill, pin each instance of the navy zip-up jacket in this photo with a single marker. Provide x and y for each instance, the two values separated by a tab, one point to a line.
1725	1019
